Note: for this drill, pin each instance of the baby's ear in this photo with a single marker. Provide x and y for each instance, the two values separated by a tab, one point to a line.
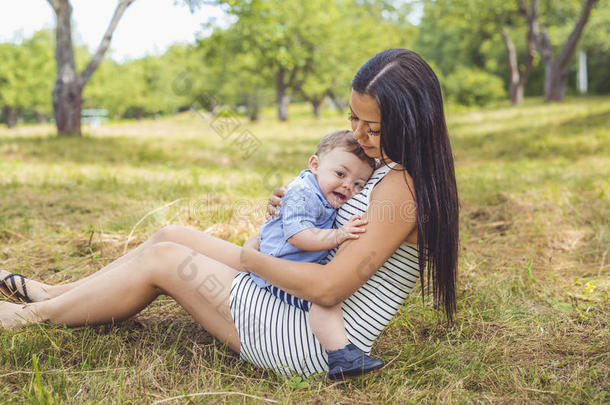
313	163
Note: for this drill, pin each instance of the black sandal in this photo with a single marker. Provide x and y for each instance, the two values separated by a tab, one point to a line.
8	287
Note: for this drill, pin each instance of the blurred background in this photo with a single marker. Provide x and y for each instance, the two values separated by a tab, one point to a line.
254	55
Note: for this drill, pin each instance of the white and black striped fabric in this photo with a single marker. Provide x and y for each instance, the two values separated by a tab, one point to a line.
289	298
274	334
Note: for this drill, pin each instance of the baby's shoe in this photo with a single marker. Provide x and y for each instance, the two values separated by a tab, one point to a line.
350	361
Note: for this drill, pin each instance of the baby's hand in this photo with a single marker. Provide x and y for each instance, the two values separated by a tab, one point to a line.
351	229
275	201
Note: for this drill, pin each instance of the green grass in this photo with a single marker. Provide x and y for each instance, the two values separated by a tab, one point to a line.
533	305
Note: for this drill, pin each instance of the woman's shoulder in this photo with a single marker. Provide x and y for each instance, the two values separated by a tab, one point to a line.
394	197
397	183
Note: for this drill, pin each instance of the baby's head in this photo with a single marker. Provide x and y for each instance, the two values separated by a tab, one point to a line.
341	167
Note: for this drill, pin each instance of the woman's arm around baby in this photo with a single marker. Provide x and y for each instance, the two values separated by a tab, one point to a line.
356	260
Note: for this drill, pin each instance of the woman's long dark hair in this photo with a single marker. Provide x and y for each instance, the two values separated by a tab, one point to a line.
414	134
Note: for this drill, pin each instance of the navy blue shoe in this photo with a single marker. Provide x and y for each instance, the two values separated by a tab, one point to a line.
350	361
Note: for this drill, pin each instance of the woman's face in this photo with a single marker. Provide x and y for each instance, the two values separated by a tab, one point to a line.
366	123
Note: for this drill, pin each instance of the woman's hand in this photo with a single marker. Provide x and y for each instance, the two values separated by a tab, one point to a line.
274	202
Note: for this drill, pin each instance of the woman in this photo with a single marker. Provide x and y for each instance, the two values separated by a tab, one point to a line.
411	206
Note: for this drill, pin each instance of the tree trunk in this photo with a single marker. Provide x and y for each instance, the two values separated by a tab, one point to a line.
518	78
253	114
543	43
316	103
68	89
515	86
253	107
559	70
282	108
557	83
548	71
283	99
252	102
11	116
338	103
516	93
556	70
67	92
67	100
42	118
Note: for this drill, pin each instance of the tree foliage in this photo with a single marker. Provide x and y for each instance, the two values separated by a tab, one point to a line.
311	49
26	77
459	33
273	52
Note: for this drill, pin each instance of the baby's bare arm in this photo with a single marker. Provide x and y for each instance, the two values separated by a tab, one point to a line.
315	239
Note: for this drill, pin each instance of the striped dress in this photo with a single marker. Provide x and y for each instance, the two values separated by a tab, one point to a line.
276	335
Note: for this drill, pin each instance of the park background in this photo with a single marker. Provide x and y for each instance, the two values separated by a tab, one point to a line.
201	132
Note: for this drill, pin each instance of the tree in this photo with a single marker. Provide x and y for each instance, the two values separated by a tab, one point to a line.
12	80
283	35
473	21
311	49
596	43
229	75
450	34
41	69
26	77
142	87
67	92
345	46
479	20
556	69
519	76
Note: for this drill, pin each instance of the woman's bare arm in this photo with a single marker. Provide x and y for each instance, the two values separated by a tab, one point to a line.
356	260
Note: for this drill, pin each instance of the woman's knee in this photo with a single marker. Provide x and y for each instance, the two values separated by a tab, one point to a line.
170	259
169	233
167	256
173	263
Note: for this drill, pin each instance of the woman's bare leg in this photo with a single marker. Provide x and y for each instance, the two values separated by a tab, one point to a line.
200	284
39	291
215	248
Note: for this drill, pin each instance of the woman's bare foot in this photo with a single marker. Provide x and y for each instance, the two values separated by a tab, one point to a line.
14	316
34	290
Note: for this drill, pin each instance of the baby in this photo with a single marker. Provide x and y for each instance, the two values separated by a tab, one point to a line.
303	232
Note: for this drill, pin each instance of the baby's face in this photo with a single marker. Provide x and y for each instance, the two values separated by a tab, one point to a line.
340	175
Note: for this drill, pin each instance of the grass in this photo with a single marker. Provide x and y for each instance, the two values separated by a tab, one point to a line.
533	307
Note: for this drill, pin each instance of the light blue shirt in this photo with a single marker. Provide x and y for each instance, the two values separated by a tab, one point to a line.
303	207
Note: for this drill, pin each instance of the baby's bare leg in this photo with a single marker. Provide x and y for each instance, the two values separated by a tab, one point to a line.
328	326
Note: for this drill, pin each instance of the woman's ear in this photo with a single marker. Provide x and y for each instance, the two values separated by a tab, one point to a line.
313	163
